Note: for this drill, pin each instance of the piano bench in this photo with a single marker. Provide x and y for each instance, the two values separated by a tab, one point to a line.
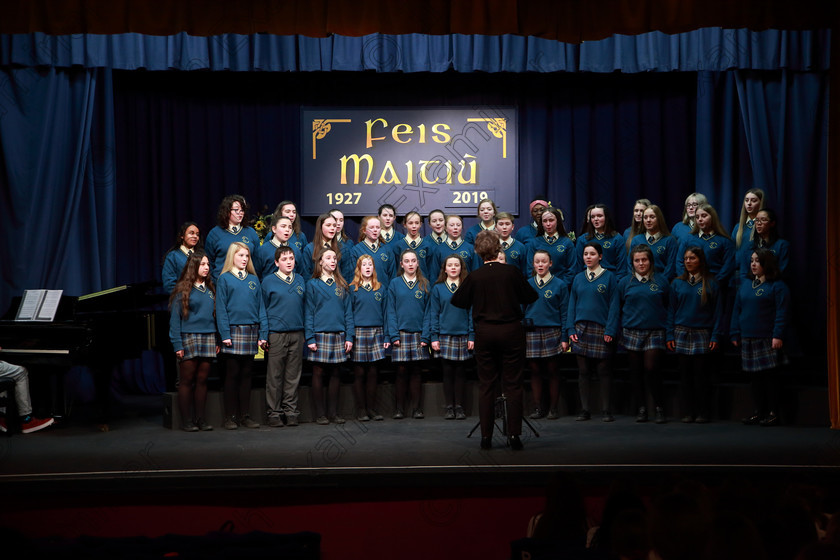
9	403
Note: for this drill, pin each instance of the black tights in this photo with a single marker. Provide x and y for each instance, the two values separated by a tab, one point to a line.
331	404
603	367
766	390
550	366
454	381
365	393
694	384
644	369
192	388
408	377
237	385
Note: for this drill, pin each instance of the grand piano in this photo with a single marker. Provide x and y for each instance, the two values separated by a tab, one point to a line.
97	330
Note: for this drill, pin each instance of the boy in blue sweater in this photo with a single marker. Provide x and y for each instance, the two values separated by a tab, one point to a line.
283	292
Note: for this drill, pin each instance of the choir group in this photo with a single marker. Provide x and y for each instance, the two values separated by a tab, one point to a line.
687	289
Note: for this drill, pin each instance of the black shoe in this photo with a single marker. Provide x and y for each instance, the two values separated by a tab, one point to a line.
607	416
537	414
642	415
486	442
459	413
583	416
450	413
660	415
687	419
771	420
752	420
515	443
701	420
398	414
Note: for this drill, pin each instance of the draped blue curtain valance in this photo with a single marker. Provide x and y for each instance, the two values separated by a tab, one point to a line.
710	49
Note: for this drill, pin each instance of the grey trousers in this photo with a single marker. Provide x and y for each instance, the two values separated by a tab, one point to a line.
284	364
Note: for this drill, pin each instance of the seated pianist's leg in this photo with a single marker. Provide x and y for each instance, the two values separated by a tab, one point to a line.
20	376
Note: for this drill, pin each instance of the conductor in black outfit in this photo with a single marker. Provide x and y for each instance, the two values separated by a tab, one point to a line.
496	293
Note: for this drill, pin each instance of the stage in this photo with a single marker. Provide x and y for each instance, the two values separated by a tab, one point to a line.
391	478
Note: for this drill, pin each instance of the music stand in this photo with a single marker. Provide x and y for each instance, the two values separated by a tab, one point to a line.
501	414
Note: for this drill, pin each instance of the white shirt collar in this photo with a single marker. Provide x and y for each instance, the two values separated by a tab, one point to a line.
285	278
598	271
639	277
545	279
326	277
656	236
186	250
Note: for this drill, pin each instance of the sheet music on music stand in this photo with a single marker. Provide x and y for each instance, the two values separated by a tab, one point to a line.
38	305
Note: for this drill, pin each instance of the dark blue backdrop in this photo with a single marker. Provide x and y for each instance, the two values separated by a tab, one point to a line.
99	165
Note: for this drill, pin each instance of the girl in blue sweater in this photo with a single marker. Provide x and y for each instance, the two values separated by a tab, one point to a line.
742	233
192	330
455	245
370	244
759	319
176	258
231	217
329	330
369	297
765	236
281	236
694	319
644	299
544	333
287	209
326	230
243	328
345	244
408	296
387	216
413	222
663	245
592	326
486	214
451	333
600	228
636	224
686	224
437	223
709	234
551	237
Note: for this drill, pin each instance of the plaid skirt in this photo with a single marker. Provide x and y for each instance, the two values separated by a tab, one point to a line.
244	339
409	349
330	348
591	341
199	345
639	340
543	342
691	341
369	343
453	347
757	354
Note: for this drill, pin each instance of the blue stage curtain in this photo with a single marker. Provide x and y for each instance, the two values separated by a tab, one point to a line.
770	130
56	181
711	49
